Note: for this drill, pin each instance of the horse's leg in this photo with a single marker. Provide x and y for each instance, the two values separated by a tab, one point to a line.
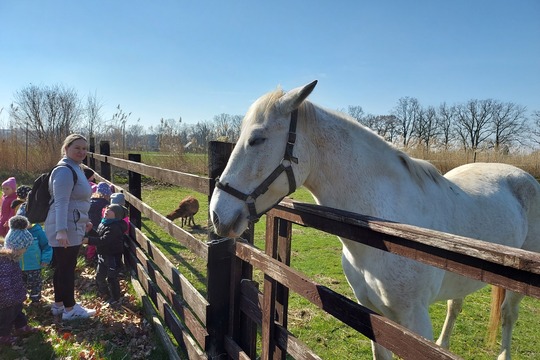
453	307
509	316
379	352
417	321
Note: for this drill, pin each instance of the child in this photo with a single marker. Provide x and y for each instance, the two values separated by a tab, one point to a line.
37	256
109	243
6	212
119	198
98	202
22	194
90	176
12	291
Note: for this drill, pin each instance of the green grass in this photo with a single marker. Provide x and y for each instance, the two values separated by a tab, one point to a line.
318	255
164	200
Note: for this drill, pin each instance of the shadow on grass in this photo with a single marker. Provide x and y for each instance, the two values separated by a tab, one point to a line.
34	347
182	255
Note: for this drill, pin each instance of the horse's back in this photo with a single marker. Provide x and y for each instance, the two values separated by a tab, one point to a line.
505	192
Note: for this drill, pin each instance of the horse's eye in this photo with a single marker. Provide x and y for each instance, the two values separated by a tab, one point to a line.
256	141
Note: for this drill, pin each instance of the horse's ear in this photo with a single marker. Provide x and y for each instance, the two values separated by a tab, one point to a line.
293	98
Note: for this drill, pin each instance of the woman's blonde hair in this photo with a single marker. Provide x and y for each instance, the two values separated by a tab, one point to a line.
69	140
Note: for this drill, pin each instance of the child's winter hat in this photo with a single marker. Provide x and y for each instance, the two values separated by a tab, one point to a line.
22	191
118	210
118	198
11	182
18	237
104	189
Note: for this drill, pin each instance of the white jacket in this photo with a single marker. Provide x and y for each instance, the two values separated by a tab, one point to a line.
69	210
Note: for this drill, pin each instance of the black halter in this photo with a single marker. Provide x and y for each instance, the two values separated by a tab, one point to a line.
284	165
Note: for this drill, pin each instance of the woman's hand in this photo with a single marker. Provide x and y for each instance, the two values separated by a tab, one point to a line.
62	238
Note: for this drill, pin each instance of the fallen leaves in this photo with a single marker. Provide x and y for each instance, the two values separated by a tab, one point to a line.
95	338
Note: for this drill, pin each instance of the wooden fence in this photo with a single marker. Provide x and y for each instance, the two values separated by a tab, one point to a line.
223	324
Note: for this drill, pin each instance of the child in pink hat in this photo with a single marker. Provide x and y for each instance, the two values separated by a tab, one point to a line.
9	188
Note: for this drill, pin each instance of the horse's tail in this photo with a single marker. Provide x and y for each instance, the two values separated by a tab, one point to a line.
497	298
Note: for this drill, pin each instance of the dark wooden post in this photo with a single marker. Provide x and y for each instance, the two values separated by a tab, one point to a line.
92	149
218	155
276	296
105	167
135	188
242	329
220	253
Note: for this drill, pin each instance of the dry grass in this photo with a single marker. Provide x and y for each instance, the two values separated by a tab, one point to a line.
18	159
447	160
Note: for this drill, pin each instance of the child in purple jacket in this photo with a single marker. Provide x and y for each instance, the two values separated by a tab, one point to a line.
13	320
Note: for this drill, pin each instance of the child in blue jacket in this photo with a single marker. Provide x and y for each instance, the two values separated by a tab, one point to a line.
37	256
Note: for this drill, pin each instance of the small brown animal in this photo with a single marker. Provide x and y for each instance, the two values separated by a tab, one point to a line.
186	209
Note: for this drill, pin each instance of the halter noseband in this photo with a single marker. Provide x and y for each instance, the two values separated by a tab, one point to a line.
284	166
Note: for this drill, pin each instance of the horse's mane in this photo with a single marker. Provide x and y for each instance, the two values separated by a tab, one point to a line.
420	170
264	105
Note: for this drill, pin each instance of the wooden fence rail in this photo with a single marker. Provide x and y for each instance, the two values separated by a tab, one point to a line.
223	323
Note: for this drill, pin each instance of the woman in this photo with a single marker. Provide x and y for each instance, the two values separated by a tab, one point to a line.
65	225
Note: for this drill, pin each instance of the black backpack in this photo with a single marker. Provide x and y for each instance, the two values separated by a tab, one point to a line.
39	198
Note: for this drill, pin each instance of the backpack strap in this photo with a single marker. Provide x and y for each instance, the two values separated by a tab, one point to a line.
75	177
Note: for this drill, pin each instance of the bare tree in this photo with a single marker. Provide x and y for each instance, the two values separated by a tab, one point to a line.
509	125
115	129
223	127
236	126
136	138
474	123
407	113
446	115
383	125
535	127
356	112
227	127
92	112
426	127
168	135
203	132
49	114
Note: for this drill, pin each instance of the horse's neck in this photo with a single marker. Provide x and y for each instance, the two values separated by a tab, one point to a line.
354	169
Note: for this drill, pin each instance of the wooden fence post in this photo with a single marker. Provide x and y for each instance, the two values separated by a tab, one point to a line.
275	295
220	254
241	329
92	149
218	155
105	168
135	188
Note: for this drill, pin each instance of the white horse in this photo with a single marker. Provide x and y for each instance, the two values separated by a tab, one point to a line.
347	166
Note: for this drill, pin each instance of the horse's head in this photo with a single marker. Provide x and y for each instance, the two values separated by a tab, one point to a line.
263	166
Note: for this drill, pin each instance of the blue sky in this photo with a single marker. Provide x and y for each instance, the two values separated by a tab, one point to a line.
196	59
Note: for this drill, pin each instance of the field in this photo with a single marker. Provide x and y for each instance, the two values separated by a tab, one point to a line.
318	255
